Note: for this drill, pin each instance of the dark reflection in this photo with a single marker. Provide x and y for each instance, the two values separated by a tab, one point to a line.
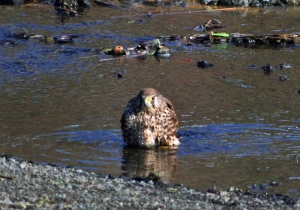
70	8
140	162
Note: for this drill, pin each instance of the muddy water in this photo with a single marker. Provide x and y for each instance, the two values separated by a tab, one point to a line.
61	104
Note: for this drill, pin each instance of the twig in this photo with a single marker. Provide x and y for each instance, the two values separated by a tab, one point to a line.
206	25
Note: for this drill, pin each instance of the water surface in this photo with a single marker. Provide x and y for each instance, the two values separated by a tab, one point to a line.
60	104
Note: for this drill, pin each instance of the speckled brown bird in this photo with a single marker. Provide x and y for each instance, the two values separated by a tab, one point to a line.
149	120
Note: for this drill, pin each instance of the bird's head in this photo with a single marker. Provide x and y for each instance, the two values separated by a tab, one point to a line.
149	100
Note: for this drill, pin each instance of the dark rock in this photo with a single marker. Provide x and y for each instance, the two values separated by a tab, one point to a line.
71	3
120	74
22	35
253	66
77	5
267	69
284	66
282	77
204	64
275	183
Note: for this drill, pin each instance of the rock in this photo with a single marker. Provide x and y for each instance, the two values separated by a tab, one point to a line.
282	77
46	187
75	4
267	69
204	64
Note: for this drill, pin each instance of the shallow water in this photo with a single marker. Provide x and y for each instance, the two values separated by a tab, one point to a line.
60	104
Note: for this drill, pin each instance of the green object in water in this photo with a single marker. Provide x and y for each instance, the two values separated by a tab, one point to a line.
219	34
106	50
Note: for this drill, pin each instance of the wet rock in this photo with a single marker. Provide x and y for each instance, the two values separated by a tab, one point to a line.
253	66
77	5
162	51
267	69
204	64
255	3
8	42
275	183
63	39
212	190
151	2
241	3
120	74
182	4
284	66
209	2
21	35
282	77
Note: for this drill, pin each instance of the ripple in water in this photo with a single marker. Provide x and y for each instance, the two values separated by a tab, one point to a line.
232	140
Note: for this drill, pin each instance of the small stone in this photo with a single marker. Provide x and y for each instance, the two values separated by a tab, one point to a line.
79	170
23	165
297	206
223	193
231	189
282	77
204	64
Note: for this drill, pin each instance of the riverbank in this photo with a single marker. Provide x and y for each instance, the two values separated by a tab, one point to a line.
26	185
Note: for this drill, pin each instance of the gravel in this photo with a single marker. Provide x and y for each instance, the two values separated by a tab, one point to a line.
25	185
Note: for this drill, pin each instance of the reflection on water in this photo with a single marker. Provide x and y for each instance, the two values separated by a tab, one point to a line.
140	162
59	104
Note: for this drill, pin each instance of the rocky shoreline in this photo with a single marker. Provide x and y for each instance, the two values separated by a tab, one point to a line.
25	185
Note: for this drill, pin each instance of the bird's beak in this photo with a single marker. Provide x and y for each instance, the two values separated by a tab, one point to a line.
148	106
148	101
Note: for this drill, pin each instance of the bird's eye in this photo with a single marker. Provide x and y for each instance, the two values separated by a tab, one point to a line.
153	98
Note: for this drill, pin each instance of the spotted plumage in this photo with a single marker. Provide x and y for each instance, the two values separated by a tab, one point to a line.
149	120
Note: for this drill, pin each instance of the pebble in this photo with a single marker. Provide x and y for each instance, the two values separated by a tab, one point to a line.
31	186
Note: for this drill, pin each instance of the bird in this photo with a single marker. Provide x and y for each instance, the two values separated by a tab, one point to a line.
149	120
